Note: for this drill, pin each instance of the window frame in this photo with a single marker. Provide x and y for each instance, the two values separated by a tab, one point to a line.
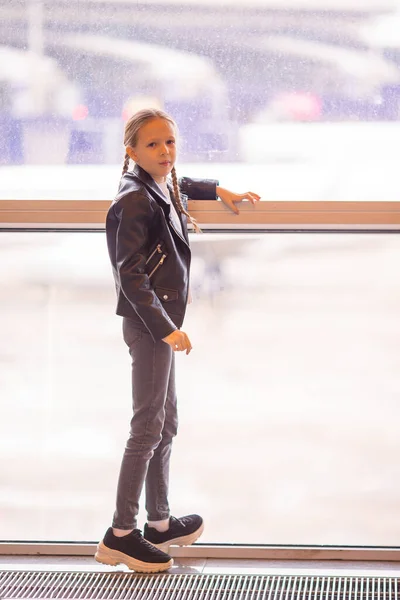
218	551
212	215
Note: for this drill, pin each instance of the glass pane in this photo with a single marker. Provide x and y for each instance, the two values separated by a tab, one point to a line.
288	402
301	98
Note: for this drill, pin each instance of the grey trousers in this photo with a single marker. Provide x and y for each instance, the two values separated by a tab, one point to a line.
154	424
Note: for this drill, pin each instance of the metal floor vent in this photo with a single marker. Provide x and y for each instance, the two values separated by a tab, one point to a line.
115	586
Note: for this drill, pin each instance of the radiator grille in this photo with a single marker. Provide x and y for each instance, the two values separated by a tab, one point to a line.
116	586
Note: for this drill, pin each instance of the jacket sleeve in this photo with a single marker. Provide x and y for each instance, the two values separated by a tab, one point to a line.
134	215
199	189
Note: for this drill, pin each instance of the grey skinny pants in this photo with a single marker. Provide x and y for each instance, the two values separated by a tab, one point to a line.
153	426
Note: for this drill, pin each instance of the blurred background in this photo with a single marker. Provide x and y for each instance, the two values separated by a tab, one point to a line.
299	86
289	403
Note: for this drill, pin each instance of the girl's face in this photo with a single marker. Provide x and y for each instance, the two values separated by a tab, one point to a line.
155	150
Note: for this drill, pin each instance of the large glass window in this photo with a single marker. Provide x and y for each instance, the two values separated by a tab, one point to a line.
288	402
298	100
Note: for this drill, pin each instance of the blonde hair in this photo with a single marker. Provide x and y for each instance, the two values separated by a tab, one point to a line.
132	128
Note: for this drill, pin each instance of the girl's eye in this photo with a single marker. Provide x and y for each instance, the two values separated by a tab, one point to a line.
171	142
152	144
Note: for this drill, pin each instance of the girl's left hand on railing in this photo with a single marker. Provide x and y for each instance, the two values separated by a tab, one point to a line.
230	198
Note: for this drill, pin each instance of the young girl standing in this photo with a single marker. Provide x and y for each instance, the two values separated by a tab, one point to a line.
149	250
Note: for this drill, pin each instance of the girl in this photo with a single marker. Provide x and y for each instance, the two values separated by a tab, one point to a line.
149	250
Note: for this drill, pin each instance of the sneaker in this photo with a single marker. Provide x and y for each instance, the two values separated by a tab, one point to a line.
133	551
181	532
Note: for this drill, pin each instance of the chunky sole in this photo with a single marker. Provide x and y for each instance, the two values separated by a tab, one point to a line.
107	556
184	540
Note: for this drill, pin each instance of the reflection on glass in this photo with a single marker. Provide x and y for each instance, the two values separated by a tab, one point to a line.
311	90
288	402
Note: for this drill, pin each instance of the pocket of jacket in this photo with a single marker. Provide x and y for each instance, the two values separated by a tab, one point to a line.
165	294
155	259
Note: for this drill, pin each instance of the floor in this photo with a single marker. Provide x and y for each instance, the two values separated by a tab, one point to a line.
213	566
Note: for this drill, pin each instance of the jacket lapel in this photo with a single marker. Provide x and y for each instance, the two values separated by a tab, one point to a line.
178	212
152	187
157	194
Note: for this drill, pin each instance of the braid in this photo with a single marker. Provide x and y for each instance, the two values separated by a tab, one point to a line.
178	200
126	164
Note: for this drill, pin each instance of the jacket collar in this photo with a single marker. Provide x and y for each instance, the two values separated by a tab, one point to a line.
157	193
150	183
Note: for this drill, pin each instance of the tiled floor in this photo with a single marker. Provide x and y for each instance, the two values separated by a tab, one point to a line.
212	566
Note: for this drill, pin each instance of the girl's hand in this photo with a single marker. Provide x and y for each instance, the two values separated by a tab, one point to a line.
179	341
230	198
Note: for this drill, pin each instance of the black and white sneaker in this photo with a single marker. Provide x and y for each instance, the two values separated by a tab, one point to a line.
181	532
133	551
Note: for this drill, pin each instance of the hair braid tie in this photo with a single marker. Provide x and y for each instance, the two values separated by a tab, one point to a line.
126	164
178	200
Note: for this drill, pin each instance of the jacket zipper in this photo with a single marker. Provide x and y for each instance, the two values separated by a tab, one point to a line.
160	262
156	249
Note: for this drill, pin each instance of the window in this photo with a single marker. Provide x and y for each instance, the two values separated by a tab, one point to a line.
301	103
289	402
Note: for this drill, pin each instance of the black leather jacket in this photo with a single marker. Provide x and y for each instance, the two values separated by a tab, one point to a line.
149	256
